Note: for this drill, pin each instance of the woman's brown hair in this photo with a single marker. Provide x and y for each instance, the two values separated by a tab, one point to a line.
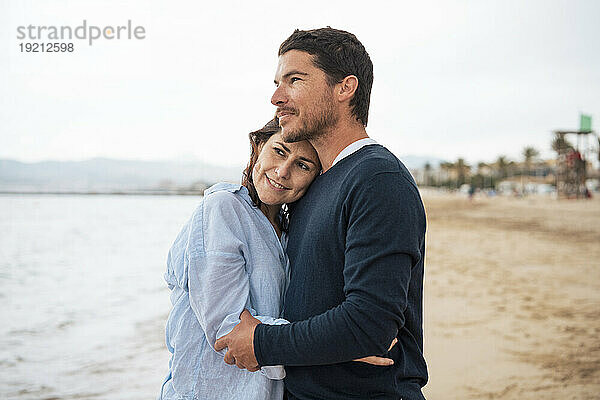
257	139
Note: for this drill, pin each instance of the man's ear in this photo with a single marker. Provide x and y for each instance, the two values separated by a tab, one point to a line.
347	88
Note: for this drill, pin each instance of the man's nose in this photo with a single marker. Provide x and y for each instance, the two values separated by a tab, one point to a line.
279	98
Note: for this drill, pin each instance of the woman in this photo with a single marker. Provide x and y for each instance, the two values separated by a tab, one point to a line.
230	257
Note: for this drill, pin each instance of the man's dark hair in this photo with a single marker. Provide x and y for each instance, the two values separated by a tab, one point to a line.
338	54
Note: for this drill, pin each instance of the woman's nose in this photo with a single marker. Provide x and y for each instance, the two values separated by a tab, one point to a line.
283	171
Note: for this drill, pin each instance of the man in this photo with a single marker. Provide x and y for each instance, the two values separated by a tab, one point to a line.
356	240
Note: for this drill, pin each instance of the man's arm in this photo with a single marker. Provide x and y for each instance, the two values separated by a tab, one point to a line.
385	230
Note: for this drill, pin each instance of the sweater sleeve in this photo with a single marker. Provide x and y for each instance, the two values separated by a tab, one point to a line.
385	230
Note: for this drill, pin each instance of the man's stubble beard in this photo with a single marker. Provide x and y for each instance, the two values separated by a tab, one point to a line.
314	128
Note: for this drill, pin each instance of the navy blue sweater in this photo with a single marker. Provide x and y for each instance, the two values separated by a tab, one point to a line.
356	248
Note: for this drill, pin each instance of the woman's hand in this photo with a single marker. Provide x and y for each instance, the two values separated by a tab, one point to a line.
380	361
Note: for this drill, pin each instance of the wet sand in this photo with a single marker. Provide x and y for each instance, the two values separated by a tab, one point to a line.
512	298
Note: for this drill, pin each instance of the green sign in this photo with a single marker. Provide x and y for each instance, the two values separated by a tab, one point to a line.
585	123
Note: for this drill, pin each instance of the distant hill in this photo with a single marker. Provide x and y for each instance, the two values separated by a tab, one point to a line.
103	174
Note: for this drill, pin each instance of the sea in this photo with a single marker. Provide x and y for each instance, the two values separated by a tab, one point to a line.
83	300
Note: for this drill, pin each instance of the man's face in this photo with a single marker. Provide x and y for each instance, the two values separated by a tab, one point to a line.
305	102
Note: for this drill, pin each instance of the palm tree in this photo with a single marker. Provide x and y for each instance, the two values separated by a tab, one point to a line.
529	154
511	167
502	167
483	173
446	167
561	145
462	170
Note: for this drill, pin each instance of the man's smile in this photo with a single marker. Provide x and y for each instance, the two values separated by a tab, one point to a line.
284	114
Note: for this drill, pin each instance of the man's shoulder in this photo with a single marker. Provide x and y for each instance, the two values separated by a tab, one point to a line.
379	179
376	160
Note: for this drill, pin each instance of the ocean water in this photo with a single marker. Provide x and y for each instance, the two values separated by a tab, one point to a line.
83	300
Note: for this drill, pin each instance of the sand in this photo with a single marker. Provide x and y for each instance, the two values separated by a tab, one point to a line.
512	298
512	301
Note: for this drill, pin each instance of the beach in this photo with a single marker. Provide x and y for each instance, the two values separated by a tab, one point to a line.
512	298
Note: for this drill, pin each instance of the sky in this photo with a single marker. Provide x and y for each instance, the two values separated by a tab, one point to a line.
470	79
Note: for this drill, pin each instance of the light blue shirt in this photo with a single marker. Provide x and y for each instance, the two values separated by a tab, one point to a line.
226	258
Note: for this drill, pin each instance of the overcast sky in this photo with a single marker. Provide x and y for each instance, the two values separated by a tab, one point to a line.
472	79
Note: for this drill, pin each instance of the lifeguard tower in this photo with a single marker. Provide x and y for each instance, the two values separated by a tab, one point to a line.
572	161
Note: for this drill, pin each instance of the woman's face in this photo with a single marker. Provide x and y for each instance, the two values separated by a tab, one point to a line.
283	171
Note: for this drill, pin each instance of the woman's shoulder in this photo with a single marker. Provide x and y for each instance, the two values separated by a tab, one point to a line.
226	216
225	194
228	203
227	187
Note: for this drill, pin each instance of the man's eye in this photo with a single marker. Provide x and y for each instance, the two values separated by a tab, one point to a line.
294	79
304	166
279	151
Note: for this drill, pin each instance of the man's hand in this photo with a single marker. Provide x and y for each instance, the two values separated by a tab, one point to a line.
240	343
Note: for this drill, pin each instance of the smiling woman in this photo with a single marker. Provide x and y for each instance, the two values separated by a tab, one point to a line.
281	172
230	257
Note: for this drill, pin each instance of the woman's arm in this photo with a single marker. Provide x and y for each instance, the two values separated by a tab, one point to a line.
219	287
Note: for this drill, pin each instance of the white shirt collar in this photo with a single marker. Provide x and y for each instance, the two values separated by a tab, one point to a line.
352	148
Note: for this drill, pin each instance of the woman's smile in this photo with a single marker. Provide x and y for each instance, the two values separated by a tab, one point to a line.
275	185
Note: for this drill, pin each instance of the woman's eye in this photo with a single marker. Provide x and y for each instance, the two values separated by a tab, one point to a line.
304	166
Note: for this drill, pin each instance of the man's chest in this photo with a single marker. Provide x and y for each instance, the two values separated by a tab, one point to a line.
316	253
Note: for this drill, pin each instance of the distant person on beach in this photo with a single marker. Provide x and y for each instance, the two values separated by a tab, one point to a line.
356	240
471	192
228	257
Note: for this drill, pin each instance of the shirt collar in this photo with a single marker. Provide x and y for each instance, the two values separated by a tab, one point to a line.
352	148
230	187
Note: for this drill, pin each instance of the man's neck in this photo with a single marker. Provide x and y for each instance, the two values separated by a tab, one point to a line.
337	139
